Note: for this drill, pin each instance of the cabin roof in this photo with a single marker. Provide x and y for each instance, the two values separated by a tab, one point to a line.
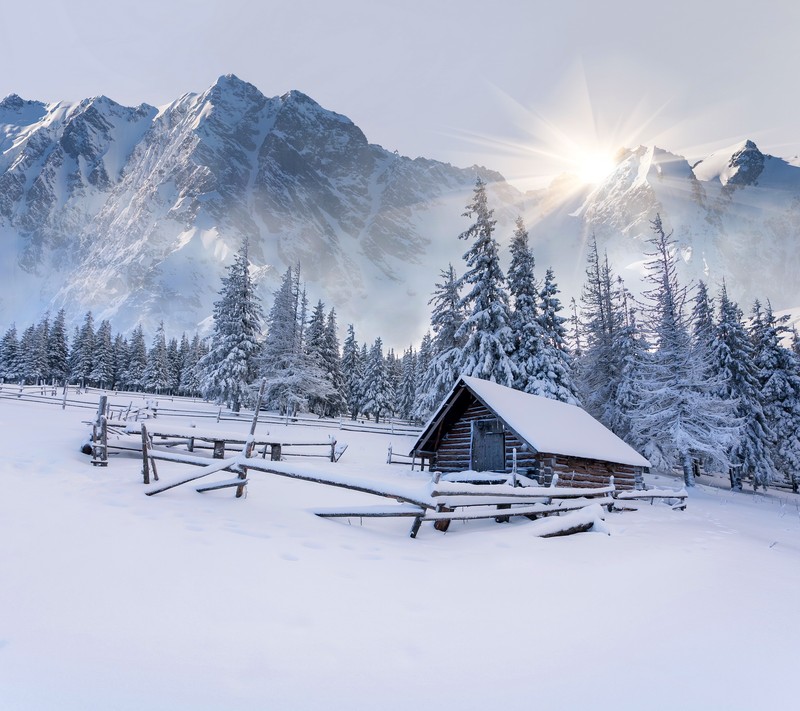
547	425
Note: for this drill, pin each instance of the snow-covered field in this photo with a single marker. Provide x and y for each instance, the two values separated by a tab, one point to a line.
110	599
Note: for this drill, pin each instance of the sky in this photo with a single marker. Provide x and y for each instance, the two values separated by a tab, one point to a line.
529	88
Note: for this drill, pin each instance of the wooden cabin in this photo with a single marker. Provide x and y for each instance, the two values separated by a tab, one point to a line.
483	426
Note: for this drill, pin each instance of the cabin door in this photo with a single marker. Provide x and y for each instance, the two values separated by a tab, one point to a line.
488	446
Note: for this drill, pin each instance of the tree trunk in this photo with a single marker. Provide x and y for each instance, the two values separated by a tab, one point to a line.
688	469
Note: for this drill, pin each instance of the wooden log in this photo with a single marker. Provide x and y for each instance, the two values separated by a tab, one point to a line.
219	449
145	460
218	465
248	450
226	484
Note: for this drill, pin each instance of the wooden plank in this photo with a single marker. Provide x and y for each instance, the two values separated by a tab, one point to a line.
370	511
217	466
482	512
224	484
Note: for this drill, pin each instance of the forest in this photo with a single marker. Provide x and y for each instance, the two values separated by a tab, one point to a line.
680	374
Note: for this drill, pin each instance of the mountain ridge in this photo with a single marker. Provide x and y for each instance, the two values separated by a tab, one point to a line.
134	212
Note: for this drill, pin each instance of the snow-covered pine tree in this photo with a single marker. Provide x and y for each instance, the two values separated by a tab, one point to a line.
82	352
191	384
393	375
352	373
778	370
445	357
58	349
102	372
526	328
28	360
732	362
292	376
555	375
133	371
156	374
9	356
678	415
377	387
332	365
120	359
486	333
408	384
631	350
175	360
230	366
600	365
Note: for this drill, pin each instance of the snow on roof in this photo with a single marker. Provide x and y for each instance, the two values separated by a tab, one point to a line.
554	427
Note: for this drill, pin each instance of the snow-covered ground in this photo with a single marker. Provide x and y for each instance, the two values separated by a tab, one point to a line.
110	599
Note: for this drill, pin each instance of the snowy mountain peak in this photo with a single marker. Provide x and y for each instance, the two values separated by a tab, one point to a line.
746	165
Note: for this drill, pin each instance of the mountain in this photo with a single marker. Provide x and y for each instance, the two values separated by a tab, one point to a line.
134	212
734	214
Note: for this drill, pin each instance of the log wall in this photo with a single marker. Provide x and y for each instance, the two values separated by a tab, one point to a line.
454	450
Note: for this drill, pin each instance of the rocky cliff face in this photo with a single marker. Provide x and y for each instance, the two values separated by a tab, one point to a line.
134	212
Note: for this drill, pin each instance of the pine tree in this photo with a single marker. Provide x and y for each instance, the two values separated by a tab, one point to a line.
733	364
555	375
486	332
446	354
293	376
133	374
120	350
778	370
677	417
58	349
408	385
332	365
600	366
527	335
83	351
157	372
352	373
102	372
9	356
377	385
230	366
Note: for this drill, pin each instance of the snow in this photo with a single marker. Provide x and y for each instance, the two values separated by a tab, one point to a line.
551	426
112	599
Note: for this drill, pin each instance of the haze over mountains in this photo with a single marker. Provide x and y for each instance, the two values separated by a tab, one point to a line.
135	211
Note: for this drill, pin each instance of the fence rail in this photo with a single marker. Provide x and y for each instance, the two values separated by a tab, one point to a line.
121	407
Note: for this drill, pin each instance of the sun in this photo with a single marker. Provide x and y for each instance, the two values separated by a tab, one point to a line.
593	165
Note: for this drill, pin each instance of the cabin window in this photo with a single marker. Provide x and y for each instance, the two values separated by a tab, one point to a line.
488	451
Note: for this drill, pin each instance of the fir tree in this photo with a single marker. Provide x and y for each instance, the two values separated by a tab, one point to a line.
157	372
58	349
528	338
485	332
733	364
677	416
600	366
9	356
377	386
778	370
446	355
230	365
83	351
133	373
408	385
555	375
352	373
331	362
102	372
293	376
